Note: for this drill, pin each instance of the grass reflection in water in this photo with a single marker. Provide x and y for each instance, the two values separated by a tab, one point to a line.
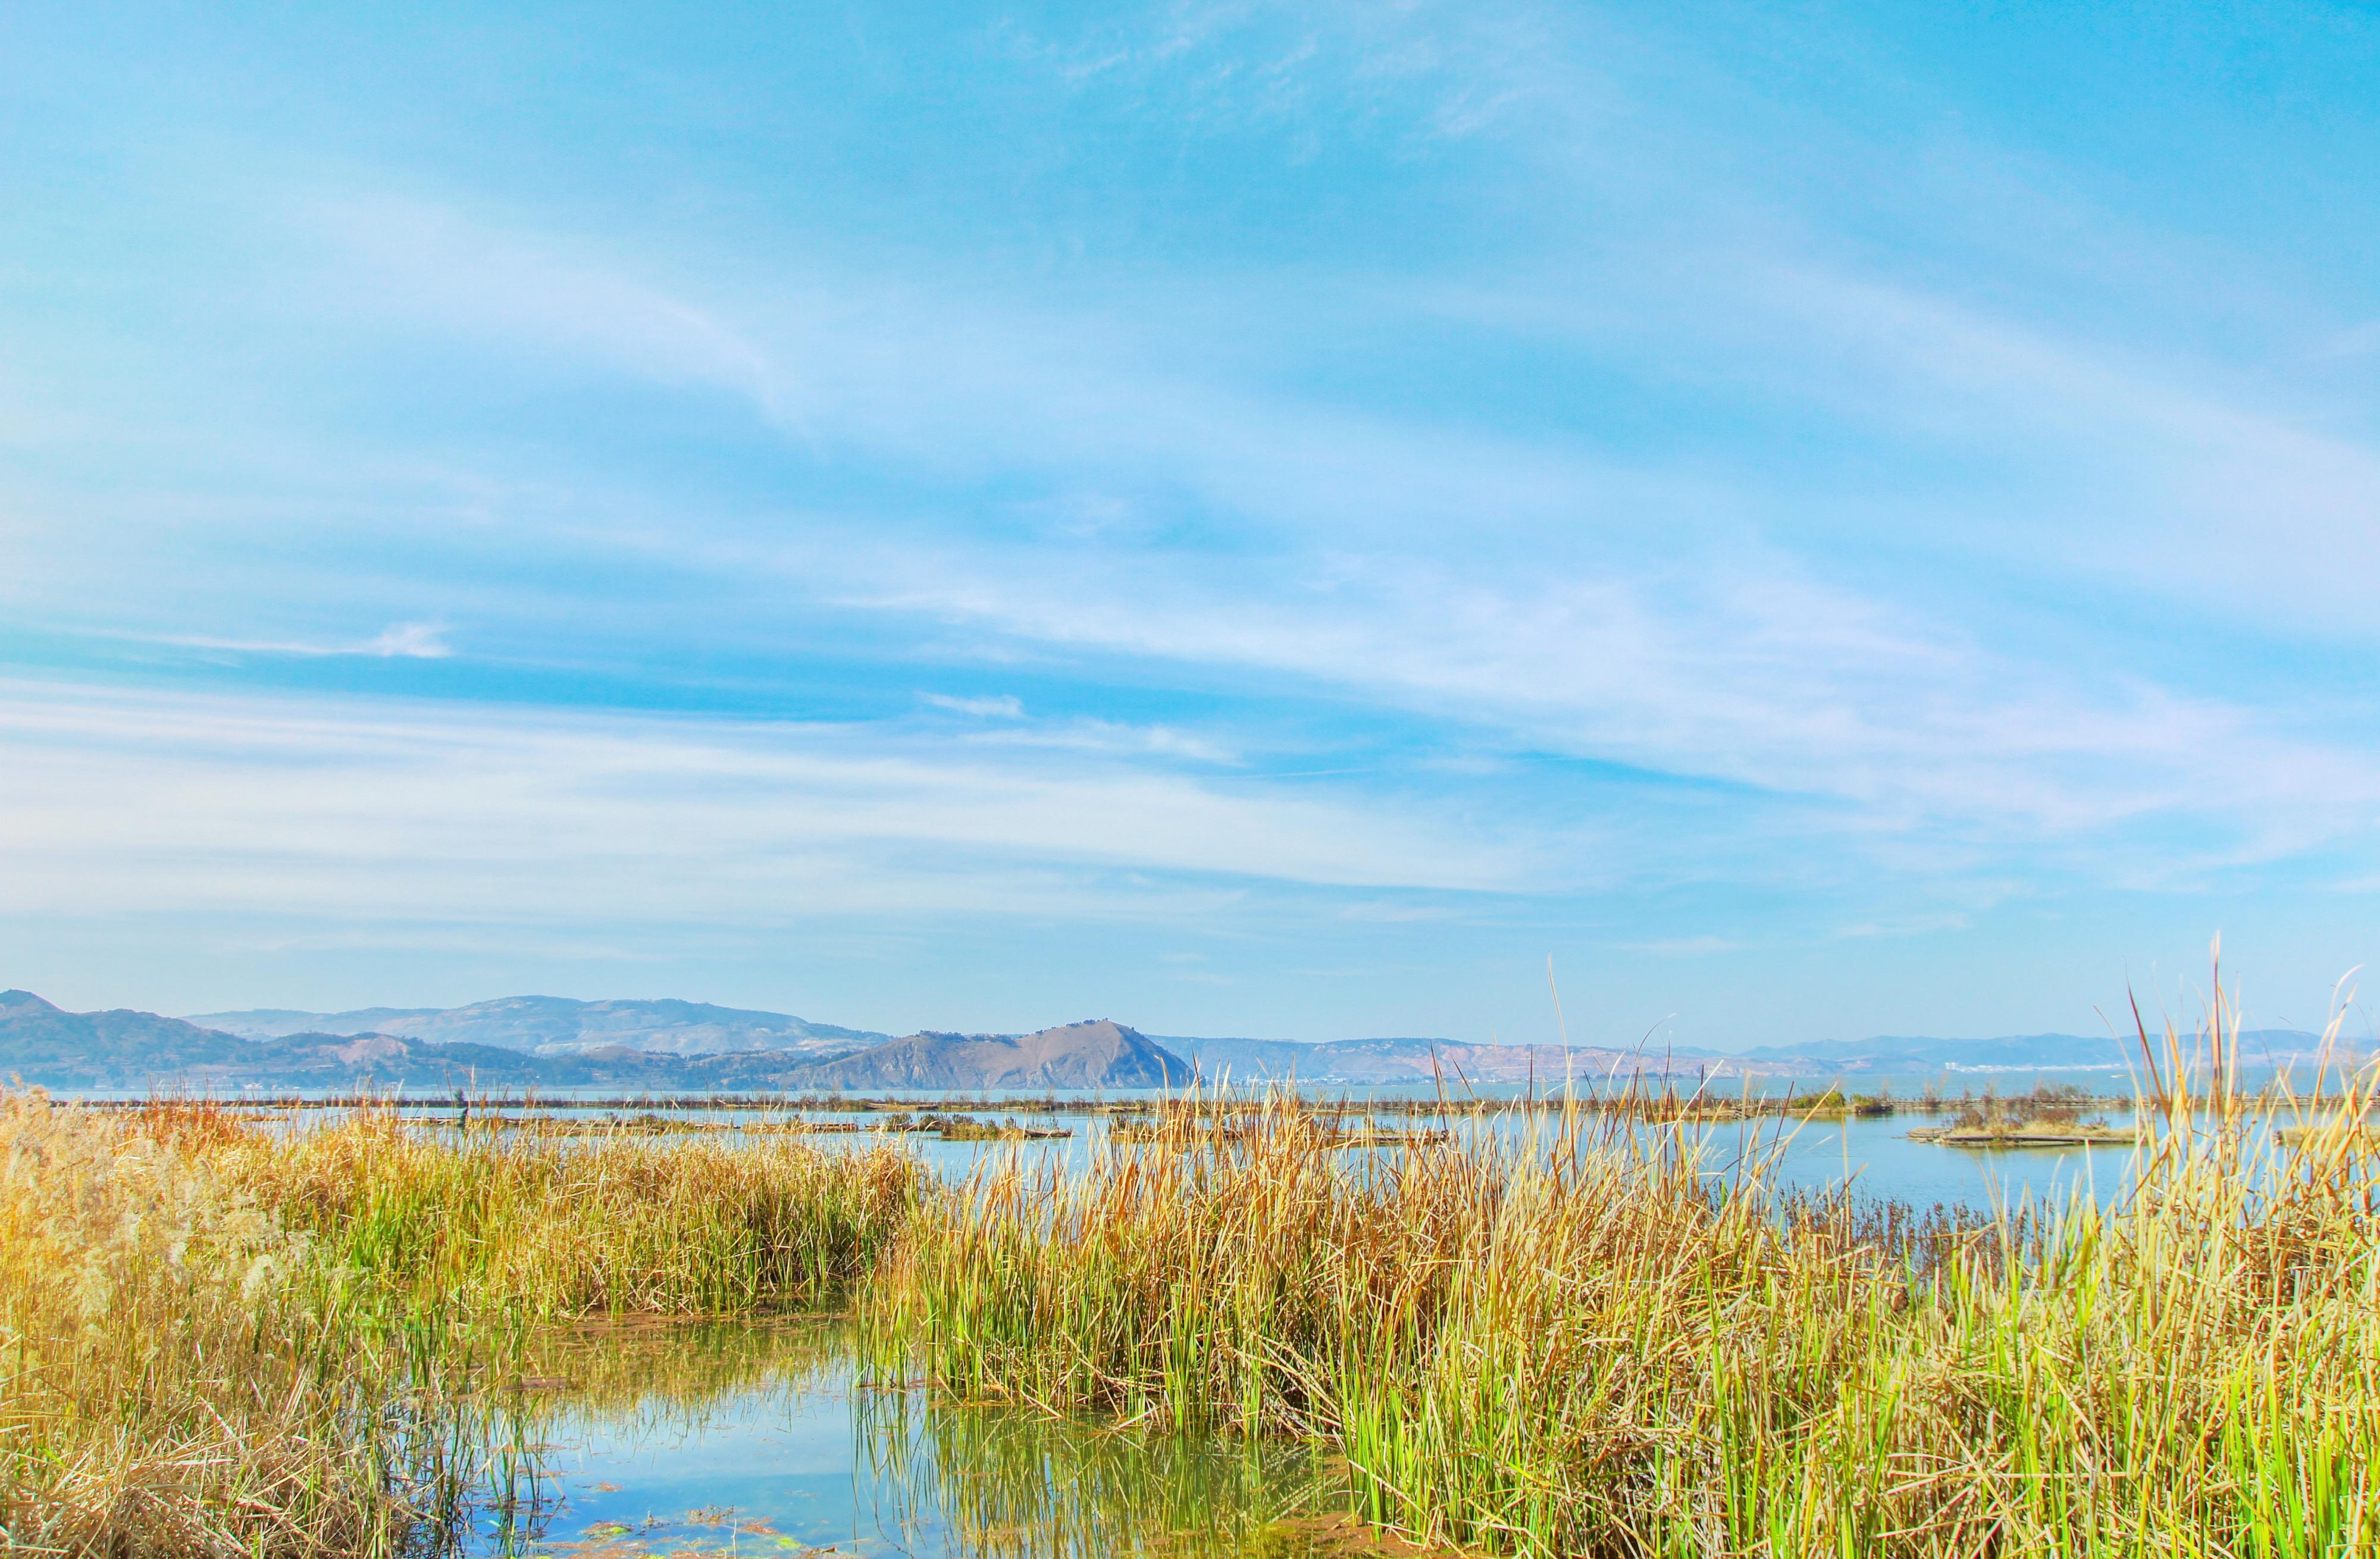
654	1440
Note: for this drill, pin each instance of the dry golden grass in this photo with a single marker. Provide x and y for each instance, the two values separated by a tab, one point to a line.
166	1387
211	1340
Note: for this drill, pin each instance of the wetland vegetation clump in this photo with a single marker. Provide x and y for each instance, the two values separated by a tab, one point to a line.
170	1383
521	1230
215	1342
2049	1116
1594	1344
1184	1122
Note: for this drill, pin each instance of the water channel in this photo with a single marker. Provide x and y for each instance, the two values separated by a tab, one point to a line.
711	1439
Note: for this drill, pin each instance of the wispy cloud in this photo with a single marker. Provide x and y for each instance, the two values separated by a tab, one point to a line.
408	641
1002	707
1118	738
117	802
420	641
1750	675
1676	644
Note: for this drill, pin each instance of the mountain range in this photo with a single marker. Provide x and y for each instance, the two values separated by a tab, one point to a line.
42	1043
1453	1062
1456	1063
672	1044
552	1025
2039	1052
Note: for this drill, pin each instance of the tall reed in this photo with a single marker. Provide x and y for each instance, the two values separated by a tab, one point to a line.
216	1342
169	1382
1591	1345
518	1228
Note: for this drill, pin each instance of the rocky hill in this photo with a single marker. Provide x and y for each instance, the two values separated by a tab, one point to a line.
1102	1054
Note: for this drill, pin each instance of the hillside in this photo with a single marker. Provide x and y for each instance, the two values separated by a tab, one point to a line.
2041	1052
280	1022
1455	1062
1102	1054
45	1045
548	1025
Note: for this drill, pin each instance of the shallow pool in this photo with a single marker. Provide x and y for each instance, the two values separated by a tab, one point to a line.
740	1440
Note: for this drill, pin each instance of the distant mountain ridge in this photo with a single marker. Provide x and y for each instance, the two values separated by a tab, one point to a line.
550	1025
40	1042
280	1022
1455	1062
44	1044
671	1045
1452	1062
2040	1052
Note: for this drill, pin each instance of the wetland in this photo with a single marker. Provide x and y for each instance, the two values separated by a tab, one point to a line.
1218	1325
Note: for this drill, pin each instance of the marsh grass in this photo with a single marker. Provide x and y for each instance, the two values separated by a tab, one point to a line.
516	1230
215	1341
168	1384
1601	1341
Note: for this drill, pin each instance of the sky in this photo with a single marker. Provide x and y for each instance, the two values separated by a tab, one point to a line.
1816	520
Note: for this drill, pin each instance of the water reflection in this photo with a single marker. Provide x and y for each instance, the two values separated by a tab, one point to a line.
751	1439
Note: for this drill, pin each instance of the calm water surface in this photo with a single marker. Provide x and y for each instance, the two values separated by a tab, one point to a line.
768	1440
1874	1156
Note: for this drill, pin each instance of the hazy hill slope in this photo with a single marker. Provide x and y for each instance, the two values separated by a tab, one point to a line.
2045	1051
320	1060
1101	1053
46	1045
550	1024
1354	1061
279	1022
1454	1062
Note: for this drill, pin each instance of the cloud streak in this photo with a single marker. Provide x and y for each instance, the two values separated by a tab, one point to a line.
403	641
131	802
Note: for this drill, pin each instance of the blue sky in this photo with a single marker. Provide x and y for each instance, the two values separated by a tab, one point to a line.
1823	519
